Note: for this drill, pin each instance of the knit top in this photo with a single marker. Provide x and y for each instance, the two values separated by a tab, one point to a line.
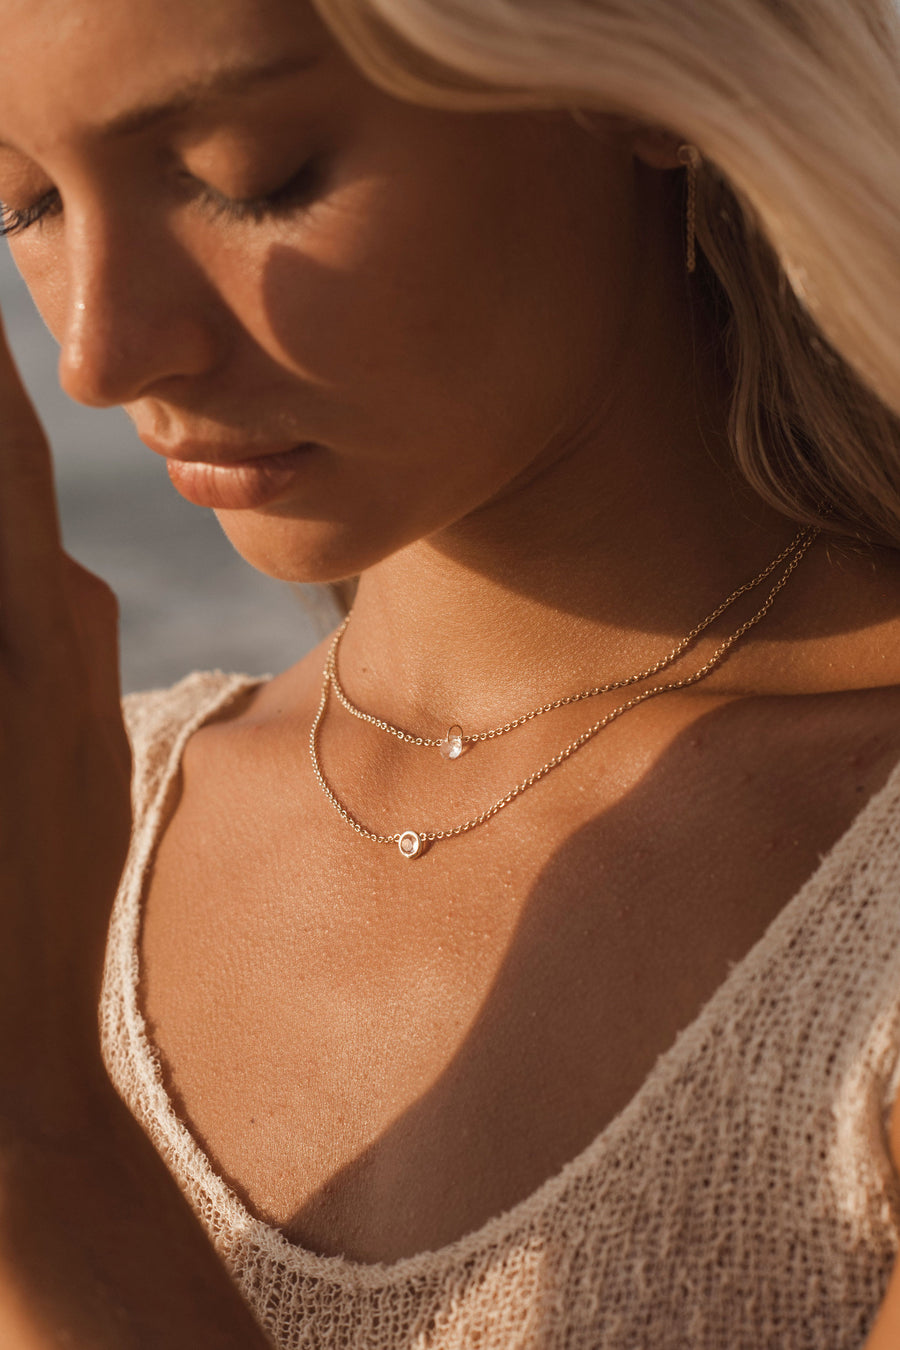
744	1199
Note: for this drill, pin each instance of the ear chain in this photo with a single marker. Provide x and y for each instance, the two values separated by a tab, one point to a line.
689	156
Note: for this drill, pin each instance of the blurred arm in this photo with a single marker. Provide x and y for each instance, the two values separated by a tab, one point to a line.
99	1249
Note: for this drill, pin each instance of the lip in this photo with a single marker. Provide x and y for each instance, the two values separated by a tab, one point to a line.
208	476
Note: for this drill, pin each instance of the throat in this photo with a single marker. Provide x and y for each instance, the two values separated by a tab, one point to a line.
609	701
432	649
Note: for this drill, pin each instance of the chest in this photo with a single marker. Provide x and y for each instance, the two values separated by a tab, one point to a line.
380	1055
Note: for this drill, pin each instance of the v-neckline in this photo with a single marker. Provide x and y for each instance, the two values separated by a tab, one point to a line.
341	1270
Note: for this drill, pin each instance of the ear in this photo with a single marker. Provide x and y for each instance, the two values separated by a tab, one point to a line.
656	147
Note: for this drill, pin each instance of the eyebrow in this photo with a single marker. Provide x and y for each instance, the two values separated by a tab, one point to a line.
235	79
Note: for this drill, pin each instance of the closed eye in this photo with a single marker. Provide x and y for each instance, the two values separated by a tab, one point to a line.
14	220
293	195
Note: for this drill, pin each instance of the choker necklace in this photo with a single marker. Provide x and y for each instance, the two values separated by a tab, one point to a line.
412	843
451	746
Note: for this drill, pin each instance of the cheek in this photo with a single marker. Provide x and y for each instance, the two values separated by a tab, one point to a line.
441	345
394	289
440	318
42	266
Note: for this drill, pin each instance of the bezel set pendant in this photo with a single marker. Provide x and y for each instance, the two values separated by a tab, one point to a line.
410	844
452	745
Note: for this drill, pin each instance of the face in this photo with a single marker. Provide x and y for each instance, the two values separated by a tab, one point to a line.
255	251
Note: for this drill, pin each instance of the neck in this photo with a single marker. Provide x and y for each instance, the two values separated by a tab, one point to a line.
620	536
592	564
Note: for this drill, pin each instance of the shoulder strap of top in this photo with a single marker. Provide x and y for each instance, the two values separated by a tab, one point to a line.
159	724
157	721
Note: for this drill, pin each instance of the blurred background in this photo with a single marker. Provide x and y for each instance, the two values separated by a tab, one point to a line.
188	601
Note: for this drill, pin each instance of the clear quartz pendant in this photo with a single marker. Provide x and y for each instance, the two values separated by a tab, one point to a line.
451	746
410	844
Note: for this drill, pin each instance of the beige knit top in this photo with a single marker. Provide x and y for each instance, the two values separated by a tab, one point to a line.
743	1200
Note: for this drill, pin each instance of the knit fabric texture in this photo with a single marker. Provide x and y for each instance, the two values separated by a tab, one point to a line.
743	1200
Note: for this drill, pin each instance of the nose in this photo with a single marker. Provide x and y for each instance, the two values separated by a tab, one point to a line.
139	313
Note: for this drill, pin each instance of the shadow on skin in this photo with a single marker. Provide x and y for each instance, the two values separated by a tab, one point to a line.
291	281
618	946
617	949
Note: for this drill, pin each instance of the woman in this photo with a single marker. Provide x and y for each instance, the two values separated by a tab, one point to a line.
574	333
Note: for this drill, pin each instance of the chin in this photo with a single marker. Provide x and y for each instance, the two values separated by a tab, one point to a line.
313	552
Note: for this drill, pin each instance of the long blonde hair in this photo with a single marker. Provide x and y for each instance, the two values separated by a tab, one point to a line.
795	107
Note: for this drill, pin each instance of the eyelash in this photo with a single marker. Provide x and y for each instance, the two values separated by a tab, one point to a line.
296	193
13	221
293	195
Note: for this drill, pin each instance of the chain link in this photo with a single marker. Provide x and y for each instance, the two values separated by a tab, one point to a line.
410	738
792	555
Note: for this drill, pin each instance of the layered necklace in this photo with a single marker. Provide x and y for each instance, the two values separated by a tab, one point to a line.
412	843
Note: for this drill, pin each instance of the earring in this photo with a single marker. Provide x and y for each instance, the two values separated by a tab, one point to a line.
689	156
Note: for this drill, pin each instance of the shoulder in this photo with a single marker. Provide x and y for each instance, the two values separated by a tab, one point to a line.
160	721
885	1334
158	714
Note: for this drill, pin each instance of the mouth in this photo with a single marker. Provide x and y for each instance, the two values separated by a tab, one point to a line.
212	476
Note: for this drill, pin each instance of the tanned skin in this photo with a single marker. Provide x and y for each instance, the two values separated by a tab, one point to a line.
483	324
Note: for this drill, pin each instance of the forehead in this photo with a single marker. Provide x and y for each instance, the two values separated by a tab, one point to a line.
68	67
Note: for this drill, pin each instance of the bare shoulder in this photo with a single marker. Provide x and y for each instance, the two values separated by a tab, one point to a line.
885	1334
280	702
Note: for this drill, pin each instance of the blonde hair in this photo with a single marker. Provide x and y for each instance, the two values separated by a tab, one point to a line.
795	107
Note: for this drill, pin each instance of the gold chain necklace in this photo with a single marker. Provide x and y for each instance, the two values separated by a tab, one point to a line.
451	746
411	843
